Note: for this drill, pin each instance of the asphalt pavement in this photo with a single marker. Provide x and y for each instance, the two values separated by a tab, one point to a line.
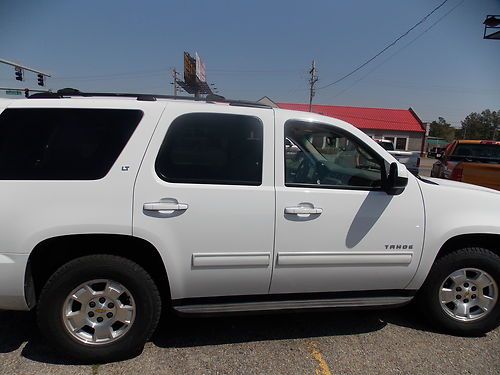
426	166
394	341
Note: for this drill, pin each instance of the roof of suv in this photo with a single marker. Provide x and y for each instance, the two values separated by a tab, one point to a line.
73	93
124	103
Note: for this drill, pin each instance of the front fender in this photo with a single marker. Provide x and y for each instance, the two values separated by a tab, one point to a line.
452	210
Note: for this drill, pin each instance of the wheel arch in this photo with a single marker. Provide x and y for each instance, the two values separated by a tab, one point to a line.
489	241
50	254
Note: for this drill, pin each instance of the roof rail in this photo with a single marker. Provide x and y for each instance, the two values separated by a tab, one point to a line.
211	98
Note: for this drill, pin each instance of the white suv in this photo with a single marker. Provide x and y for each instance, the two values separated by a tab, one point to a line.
114	206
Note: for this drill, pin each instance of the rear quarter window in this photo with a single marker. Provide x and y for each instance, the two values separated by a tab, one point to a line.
63	144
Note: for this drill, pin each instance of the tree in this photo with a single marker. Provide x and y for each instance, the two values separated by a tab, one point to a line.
442	129
484	125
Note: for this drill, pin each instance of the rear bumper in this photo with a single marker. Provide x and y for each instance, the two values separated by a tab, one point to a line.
12	275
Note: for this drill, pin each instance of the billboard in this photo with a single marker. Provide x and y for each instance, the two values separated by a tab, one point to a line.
200	69
195	79
189	69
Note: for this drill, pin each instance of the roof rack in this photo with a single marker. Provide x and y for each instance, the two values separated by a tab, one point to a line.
211	98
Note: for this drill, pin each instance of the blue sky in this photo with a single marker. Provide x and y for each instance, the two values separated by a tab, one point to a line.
257	48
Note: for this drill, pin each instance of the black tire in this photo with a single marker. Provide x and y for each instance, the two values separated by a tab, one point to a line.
428	297
72	274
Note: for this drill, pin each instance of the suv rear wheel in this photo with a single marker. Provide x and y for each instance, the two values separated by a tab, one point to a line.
461	293
99	308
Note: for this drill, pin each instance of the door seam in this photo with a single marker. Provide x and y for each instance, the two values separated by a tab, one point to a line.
273	253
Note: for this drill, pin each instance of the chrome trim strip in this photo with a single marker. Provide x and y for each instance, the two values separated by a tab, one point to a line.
287	305
243	259
344	258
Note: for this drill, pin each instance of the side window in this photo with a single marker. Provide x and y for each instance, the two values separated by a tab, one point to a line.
326	158
212	148
61	143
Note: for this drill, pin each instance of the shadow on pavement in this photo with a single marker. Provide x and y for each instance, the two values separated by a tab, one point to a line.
188	332
17	328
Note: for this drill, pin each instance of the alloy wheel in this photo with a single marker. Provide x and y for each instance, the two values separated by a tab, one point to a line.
468	294
99	312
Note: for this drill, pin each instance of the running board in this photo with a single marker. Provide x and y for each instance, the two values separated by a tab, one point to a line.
291	305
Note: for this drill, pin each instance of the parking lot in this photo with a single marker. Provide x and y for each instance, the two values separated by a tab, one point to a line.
426	166
365	342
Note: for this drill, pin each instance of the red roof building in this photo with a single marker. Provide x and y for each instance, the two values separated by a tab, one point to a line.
400	126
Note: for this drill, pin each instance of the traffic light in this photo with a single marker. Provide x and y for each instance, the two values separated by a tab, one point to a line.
27	93
41	81
19	74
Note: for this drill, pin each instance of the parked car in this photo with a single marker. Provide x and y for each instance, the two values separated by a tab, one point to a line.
409	158
474	162
436	152
116	207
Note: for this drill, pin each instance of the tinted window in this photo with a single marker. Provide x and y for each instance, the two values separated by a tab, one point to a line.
62	144
478	150
209	148
325	158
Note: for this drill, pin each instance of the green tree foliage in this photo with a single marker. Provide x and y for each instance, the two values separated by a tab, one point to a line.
484	125
442	129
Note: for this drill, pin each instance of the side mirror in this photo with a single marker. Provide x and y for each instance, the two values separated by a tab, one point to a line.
396	183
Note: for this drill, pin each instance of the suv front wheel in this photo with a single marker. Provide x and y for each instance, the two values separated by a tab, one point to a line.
99	308
461	293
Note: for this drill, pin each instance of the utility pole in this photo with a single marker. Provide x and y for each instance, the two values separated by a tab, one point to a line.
312	82
174	75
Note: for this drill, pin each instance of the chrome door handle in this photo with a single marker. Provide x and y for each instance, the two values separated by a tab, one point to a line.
301	210
165	206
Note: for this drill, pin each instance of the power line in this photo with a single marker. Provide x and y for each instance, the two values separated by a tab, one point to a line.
386	48
123	74
253	71
399	50
142	73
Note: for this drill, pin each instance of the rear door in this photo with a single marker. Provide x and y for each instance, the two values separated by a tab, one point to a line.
205	198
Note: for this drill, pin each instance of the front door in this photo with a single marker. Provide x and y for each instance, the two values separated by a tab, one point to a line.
205	198
336	229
